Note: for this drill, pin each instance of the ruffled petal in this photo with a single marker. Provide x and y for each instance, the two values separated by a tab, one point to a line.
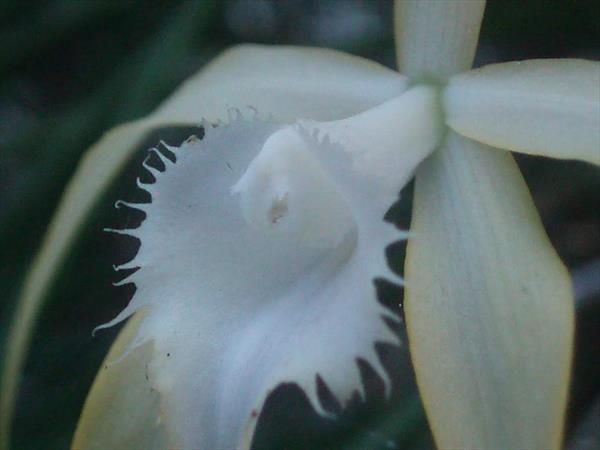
257	261
488	304
235	310
436	39
286	82
541	107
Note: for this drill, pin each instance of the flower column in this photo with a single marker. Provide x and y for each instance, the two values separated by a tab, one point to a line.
488	303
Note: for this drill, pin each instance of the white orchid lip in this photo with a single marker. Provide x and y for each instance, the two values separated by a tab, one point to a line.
261	244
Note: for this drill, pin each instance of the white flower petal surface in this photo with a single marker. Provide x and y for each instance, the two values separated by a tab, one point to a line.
541	107
245	284
288	83
489	305
436	38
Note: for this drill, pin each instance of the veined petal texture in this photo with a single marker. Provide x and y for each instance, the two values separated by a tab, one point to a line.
489	305
436	38
541	107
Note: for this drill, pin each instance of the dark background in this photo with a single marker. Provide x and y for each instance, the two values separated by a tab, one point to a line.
69	70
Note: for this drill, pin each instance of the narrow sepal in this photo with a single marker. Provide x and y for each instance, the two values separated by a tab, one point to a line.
488	304
541	107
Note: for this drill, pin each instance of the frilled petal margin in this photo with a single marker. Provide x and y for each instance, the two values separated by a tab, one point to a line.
541	107
353	85
256	266
488	304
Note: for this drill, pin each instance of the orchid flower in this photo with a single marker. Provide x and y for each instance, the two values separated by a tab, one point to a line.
262	241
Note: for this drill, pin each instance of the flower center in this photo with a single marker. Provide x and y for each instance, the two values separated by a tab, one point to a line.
285	191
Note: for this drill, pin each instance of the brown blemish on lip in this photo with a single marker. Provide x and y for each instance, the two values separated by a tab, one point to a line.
193	139
278	210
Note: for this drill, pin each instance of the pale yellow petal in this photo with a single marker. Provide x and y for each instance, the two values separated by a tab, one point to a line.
286	83
436	38
96	170
541	107
489	305
122	410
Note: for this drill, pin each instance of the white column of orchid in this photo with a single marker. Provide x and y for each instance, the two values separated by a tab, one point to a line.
488	303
